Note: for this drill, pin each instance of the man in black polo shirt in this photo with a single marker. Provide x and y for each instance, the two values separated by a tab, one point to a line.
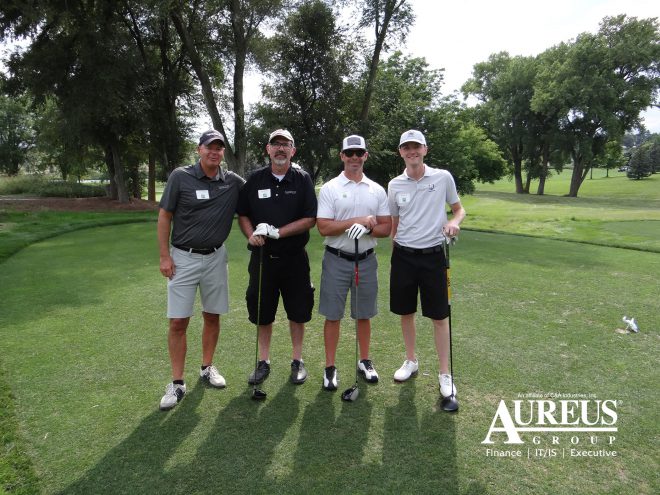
276	209
198	207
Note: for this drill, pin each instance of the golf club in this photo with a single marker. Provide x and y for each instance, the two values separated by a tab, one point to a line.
258	394
450	403
352	393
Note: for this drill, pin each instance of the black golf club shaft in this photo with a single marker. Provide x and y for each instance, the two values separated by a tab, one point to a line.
451	357
449	403
357	283
258	393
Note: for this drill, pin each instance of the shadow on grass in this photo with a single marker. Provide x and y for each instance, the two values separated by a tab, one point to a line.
241	442
131	464
419	454
330	455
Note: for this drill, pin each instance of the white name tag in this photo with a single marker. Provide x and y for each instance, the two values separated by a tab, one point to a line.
202	194
263	193
403	199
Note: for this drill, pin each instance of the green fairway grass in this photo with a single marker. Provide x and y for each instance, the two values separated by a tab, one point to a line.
84	351
84	363
610	211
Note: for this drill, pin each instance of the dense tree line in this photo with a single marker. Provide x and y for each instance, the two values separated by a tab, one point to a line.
122	83
575	101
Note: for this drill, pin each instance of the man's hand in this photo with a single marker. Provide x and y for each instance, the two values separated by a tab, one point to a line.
167	267
356	231
451	230
267	230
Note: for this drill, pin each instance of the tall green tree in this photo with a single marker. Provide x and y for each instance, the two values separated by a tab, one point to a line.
504	86
228	31
407	96
16	135
600	87
306	91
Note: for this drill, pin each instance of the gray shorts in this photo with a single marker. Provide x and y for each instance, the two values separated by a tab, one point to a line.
338	276
206	271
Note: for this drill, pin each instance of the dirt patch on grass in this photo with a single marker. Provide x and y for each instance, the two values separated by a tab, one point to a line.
74	204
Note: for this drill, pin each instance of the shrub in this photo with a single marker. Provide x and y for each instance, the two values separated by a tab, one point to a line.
38	186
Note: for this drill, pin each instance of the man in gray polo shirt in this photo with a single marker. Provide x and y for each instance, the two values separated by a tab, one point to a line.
351	206
198	207
420	226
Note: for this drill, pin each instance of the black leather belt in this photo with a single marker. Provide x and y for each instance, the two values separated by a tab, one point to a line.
198	250
430	250
348	256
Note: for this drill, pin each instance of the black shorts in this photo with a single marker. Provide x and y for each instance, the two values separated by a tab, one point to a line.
287	275
413	272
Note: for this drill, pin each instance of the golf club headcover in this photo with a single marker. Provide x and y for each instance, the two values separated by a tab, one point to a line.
267	230
356	231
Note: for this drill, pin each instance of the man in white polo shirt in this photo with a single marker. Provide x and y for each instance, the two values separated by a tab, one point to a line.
351	206
417	200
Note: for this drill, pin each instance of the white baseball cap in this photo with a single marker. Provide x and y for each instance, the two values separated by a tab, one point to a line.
282	133
412	136
353	142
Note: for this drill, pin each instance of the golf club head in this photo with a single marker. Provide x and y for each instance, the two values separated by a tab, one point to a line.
258	394
350	394
449	404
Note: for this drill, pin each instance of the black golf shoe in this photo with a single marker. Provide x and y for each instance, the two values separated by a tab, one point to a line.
367	370
260	374
330	378
298	372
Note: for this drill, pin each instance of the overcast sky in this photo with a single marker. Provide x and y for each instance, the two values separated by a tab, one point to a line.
457	35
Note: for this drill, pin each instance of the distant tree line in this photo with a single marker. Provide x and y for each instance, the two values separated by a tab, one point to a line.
122	83
572	103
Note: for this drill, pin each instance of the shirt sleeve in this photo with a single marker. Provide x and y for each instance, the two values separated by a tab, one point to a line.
391	199
170	195
326	205
311	203
243	205
383	203
452	195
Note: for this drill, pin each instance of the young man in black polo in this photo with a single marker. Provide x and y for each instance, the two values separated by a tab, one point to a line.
277	208
198	207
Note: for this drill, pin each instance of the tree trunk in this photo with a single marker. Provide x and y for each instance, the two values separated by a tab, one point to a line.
204	81
545	161
111	173
578	176
373	65
528	182
151	178
240	136
122	191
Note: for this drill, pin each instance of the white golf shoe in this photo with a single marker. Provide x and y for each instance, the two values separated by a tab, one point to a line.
408	369
173	395
446	384
213	376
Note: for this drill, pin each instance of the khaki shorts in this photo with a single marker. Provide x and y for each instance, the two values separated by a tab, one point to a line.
206	271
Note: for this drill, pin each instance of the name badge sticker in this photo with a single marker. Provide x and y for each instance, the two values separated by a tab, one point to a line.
263	193
403	199
202	194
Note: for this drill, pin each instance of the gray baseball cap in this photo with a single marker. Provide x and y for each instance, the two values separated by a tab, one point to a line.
209	136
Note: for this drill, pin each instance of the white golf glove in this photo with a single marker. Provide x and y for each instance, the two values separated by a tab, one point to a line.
356	231
267	230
